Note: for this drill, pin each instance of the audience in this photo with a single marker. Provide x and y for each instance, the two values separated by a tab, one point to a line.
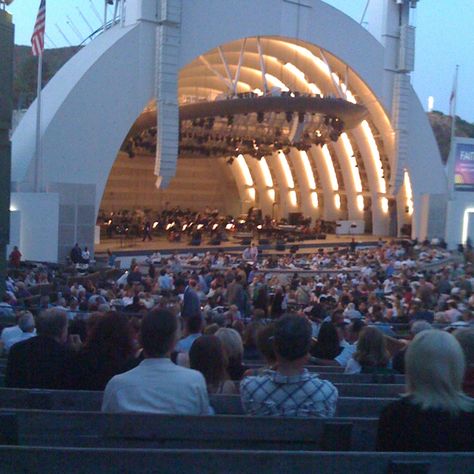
233	350
327	345
207	356
371	355
192	330
465	337
41	361
157	385
290	390
435	415
107	351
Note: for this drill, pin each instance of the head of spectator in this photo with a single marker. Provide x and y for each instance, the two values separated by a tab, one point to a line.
158	333
193	325
211	329
111	338
53	323
239	326
250	340
258	314
26	322
265	344
419	326
207	356
292	341
353	330
234	351
465	337
328	344
435	367
371	349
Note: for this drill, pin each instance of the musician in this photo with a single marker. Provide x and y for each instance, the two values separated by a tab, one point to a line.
147	231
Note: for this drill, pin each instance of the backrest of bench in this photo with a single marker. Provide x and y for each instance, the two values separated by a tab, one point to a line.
54	428
108	461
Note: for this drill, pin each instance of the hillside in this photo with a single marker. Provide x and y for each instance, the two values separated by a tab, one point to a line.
25	91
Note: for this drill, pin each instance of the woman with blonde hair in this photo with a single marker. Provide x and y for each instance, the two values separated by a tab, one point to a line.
371	355
434	414
234	351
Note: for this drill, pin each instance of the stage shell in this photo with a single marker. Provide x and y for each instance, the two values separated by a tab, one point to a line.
154	58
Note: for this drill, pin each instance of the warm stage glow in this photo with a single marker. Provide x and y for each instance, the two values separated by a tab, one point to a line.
360	202
267	176
408	192
384	204
337	201
293	199
375	155
308	170
251	192
286	170
271	194
244	169
314	199
353	163
330	168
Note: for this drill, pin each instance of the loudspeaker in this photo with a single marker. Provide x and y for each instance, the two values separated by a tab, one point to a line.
280	245
294	218
321	237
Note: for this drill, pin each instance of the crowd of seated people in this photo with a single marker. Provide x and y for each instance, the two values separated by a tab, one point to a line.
195	337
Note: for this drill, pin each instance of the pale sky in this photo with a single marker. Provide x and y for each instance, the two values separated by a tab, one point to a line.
445	38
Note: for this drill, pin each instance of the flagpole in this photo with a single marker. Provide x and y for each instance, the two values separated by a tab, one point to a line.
454	96
38	183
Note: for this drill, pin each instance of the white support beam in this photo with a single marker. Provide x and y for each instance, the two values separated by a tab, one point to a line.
262	66
211	68
239	65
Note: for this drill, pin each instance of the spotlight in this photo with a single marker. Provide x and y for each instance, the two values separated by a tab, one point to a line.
155	224
215	226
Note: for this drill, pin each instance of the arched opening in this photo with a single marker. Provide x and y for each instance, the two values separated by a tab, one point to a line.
343	179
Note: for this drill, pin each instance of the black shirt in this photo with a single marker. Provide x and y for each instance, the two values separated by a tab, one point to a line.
404	426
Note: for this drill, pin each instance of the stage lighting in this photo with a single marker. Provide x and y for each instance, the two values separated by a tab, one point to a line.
215	226
199	226
185	226
259	227
155	224
229	226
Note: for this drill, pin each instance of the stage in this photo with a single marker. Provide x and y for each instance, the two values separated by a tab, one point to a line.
138	248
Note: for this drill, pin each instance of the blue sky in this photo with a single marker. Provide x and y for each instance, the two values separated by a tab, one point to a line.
445	37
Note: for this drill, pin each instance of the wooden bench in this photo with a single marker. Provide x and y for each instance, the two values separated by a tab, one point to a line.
133	430
77	400
108	461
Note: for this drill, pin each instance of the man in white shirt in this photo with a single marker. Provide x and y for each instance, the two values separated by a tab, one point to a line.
157	385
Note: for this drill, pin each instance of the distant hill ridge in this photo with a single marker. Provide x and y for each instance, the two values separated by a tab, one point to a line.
25	91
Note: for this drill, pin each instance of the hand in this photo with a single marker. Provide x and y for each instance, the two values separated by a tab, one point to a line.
74	341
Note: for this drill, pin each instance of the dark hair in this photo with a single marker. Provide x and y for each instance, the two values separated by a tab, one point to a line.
250	334
158	332
51	322
357	325
265	345
194	324
207	356
110	337
327	346
292	338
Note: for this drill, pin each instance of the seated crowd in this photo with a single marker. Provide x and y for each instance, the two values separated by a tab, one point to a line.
163	346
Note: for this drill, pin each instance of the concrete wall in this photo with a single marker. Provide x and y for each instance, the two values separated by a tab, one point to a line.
39	225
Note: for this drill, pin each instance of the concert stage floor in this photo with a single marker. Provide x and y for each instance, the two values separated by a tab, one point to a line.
138	248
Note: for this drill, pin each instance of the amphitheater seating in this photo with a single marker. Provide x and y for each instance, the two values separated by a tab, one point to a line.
107	461
92	429
69	400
